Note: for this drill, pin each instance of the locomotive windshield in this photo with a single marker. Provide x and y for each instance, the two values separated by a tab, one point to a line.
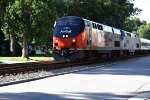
68	27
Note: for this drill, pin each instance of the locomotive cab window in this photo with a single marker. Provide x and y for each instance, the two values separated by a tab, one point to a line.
129	34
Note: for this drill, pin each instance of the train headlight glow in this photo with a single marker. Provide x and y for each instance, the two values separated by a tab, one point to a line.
73	40
66	36
63	36
56	41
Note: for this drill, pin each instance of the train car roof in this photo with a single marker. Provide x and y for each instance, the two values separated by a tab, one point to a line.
144	40
70	17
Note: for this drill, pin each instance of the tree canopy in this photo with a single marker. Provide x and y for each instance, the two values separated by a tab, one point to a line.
31	21
38	17
132	24
144	31
109	12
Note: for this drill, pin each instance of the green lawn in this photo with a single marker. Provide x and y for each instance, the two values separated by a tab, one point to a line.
24	59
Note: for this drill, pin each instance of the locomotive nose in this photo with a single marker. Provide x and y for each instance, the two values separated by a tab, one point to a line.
65	43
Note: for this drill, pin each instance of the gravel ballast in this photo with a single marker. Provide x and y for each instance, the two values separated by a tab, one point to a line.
25	77
10	79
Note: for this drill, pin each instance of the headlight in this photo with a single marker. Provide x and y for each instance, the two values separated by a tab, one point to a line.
73	40
56	41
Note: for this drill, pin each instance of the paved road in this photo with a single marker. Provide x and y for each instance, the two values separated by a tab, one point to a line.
115	81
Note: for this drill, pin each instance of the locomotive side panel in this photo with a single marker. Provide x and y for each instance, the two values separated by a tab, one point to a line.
101	37
145	44
98	40
136	42
131	42
116	41
108	36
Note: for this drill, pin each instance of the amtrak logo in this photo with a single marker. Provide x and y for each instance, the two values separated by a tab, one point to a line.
66	30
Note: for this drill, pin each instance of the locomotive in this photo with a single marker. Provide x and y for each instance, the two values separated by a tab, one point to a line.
77	38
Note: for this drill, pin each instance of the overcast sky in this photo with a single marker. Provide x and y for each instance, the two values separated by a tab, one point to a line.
145	6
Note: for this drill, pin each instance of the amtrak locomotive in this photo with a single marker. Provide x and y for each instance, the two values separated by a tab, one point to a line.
76	38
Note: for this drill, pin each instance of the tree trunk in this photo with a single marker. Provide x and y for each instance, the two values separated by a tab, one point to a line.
25	45
12	44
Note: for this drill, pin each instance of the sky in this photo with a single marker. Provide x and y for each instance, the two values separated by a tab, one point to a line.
145	6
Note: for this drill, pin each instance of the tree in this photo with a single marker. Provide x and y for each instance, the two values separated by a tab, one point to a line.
109	12
1	40
3	11
1	37
31	20
3	5
9	26
133	24
144	31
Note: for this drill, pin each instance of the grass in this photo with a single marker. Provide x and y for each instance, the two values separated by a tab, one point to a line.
25	59
41	58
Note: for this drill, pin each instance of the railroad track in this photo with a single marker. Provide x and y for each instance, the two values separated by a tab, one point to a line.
28	67
51	65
